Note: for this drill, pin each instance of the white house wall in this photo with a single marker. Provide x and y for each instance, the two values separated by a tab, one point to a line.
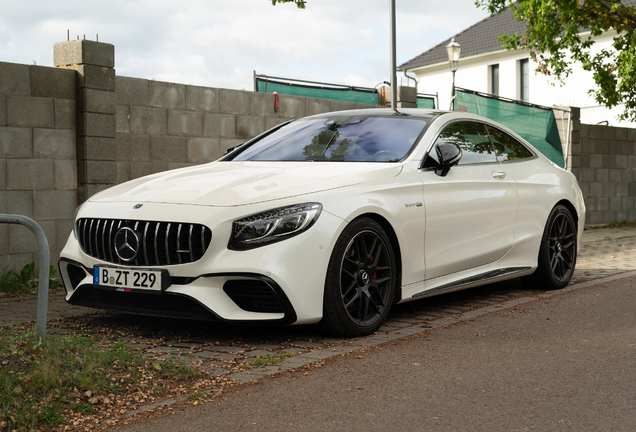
473	74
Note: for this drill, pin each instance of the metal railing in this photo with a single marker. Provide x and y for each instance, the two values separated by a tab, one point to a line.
45	262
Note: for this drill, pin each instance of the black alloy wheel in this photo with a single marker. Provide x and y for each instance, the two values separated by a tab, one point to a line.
557	253
562	247
361	280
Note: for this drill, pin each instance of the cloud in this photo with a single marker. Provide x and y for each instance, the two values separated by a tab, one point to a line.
220	43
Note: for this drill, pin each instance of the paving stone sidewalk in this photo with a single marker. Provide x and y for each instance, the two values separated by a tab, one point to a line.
223	349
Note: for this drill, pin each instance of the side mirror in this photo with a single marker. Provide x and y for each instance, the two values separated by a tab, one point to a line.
448	155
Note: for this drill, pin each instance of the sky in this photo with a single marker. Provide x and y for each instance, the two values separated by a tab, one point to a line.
219	43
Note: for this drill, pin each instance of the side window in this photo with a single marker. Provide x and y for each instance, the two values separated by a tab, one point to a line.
472	138
507	147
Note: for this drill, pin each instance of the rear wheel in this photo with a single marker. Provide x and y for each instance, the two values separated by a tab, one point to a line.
557	254
361	280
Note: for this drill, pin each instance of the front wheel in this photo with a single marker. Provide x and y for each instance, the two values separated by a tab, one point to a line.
557	254
361	280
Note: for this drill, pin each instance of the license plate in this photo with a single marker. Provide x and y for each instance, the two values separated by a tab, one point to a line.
126	279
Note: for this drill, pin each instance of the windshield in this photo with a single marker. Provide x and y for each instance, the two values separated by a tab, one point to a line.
338	138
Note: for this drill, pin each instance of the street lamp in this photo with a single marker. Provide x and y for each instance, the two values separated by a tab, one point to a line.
453	49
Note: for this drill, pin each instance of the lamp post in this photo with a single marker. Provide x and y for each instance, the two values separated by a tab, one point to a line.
453	49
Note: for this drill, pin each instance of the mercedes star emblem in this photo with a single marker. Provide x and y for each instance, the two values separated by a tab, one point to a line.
126	244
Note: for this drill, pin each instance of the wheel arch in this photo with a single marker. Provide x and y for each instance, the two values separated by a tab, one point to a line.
395	244
568	205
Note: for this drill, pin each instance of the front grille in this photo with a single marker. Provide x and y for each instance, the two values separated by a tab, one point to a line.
159	243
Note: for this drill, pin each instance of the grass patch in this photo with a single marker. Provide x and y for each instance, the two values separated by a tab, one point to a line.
25	281
271	359
45	385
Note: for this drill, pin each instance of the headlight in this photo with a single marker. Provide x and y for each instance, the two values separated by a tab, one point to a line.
273	226
75	219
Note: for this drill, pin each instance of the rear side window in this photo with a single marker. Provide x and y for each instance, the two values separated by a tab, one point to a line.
506	147
473	139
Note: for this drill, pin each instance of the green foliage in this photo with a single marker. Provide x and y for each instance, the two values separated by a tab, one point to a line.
41	385
560	33
300	4
25	281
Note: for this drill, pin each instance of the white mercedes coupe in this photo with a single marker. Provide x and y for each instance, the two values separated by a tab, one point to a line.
329	219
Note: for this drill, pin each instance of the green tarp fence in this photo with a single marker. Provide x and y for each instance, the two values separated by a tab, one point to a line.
362	95
534	123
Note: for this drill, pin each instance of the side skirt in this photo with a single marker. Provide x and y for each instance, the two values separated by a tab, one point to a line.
487	277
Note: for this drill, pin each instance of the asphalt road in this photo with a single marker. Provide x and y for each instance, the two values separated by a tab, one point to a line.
562	363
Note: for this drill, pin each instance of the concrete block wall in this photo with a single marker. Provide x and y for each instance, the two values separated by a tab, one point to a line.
38	160
162	126
605	164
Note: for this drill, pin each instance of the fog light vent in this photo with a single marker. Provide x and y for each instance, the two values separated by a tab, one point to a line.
253	296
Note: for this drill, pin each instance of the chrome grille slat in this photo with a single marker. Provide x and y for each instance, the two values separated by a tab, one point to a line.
179	243
144	241
167	247
97	236
190	242
156	247
90	238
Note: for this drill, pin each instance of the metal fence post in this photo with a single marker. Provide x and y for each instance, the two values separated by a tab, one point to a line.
45	262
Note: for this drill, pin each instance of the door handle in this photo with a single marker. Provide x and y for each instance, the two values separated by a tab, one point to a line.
499	175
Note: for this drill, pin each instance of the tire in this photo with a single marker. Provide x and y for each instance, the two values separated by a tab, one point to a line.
557	253
361	280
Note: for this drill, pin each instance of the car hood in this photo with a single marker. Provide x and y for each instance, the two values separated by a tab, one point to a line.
226	184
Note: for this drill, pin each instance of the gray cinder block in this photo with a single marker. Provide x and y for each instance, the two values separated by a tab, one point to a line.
97	172
52	82
317	106
201	99
65	174
262	104
189	123
166	95
18	202
159	166
122	119
22	240
94	124
96	77
16	143
29	111
4	237
234	101
65	115
63	230
249	126
96	148
16	79
30	174
133	147
3	177
132	91
84	52
201	150
219	125
97	101
54	144
292	106
148	120
167	149
3	110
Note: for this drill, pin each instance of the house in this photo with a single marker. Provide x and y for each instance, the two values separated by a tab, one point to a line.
486	67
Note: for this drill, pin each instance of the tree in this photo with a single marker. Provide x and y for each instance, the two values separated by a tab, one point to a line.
299	3
561	32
